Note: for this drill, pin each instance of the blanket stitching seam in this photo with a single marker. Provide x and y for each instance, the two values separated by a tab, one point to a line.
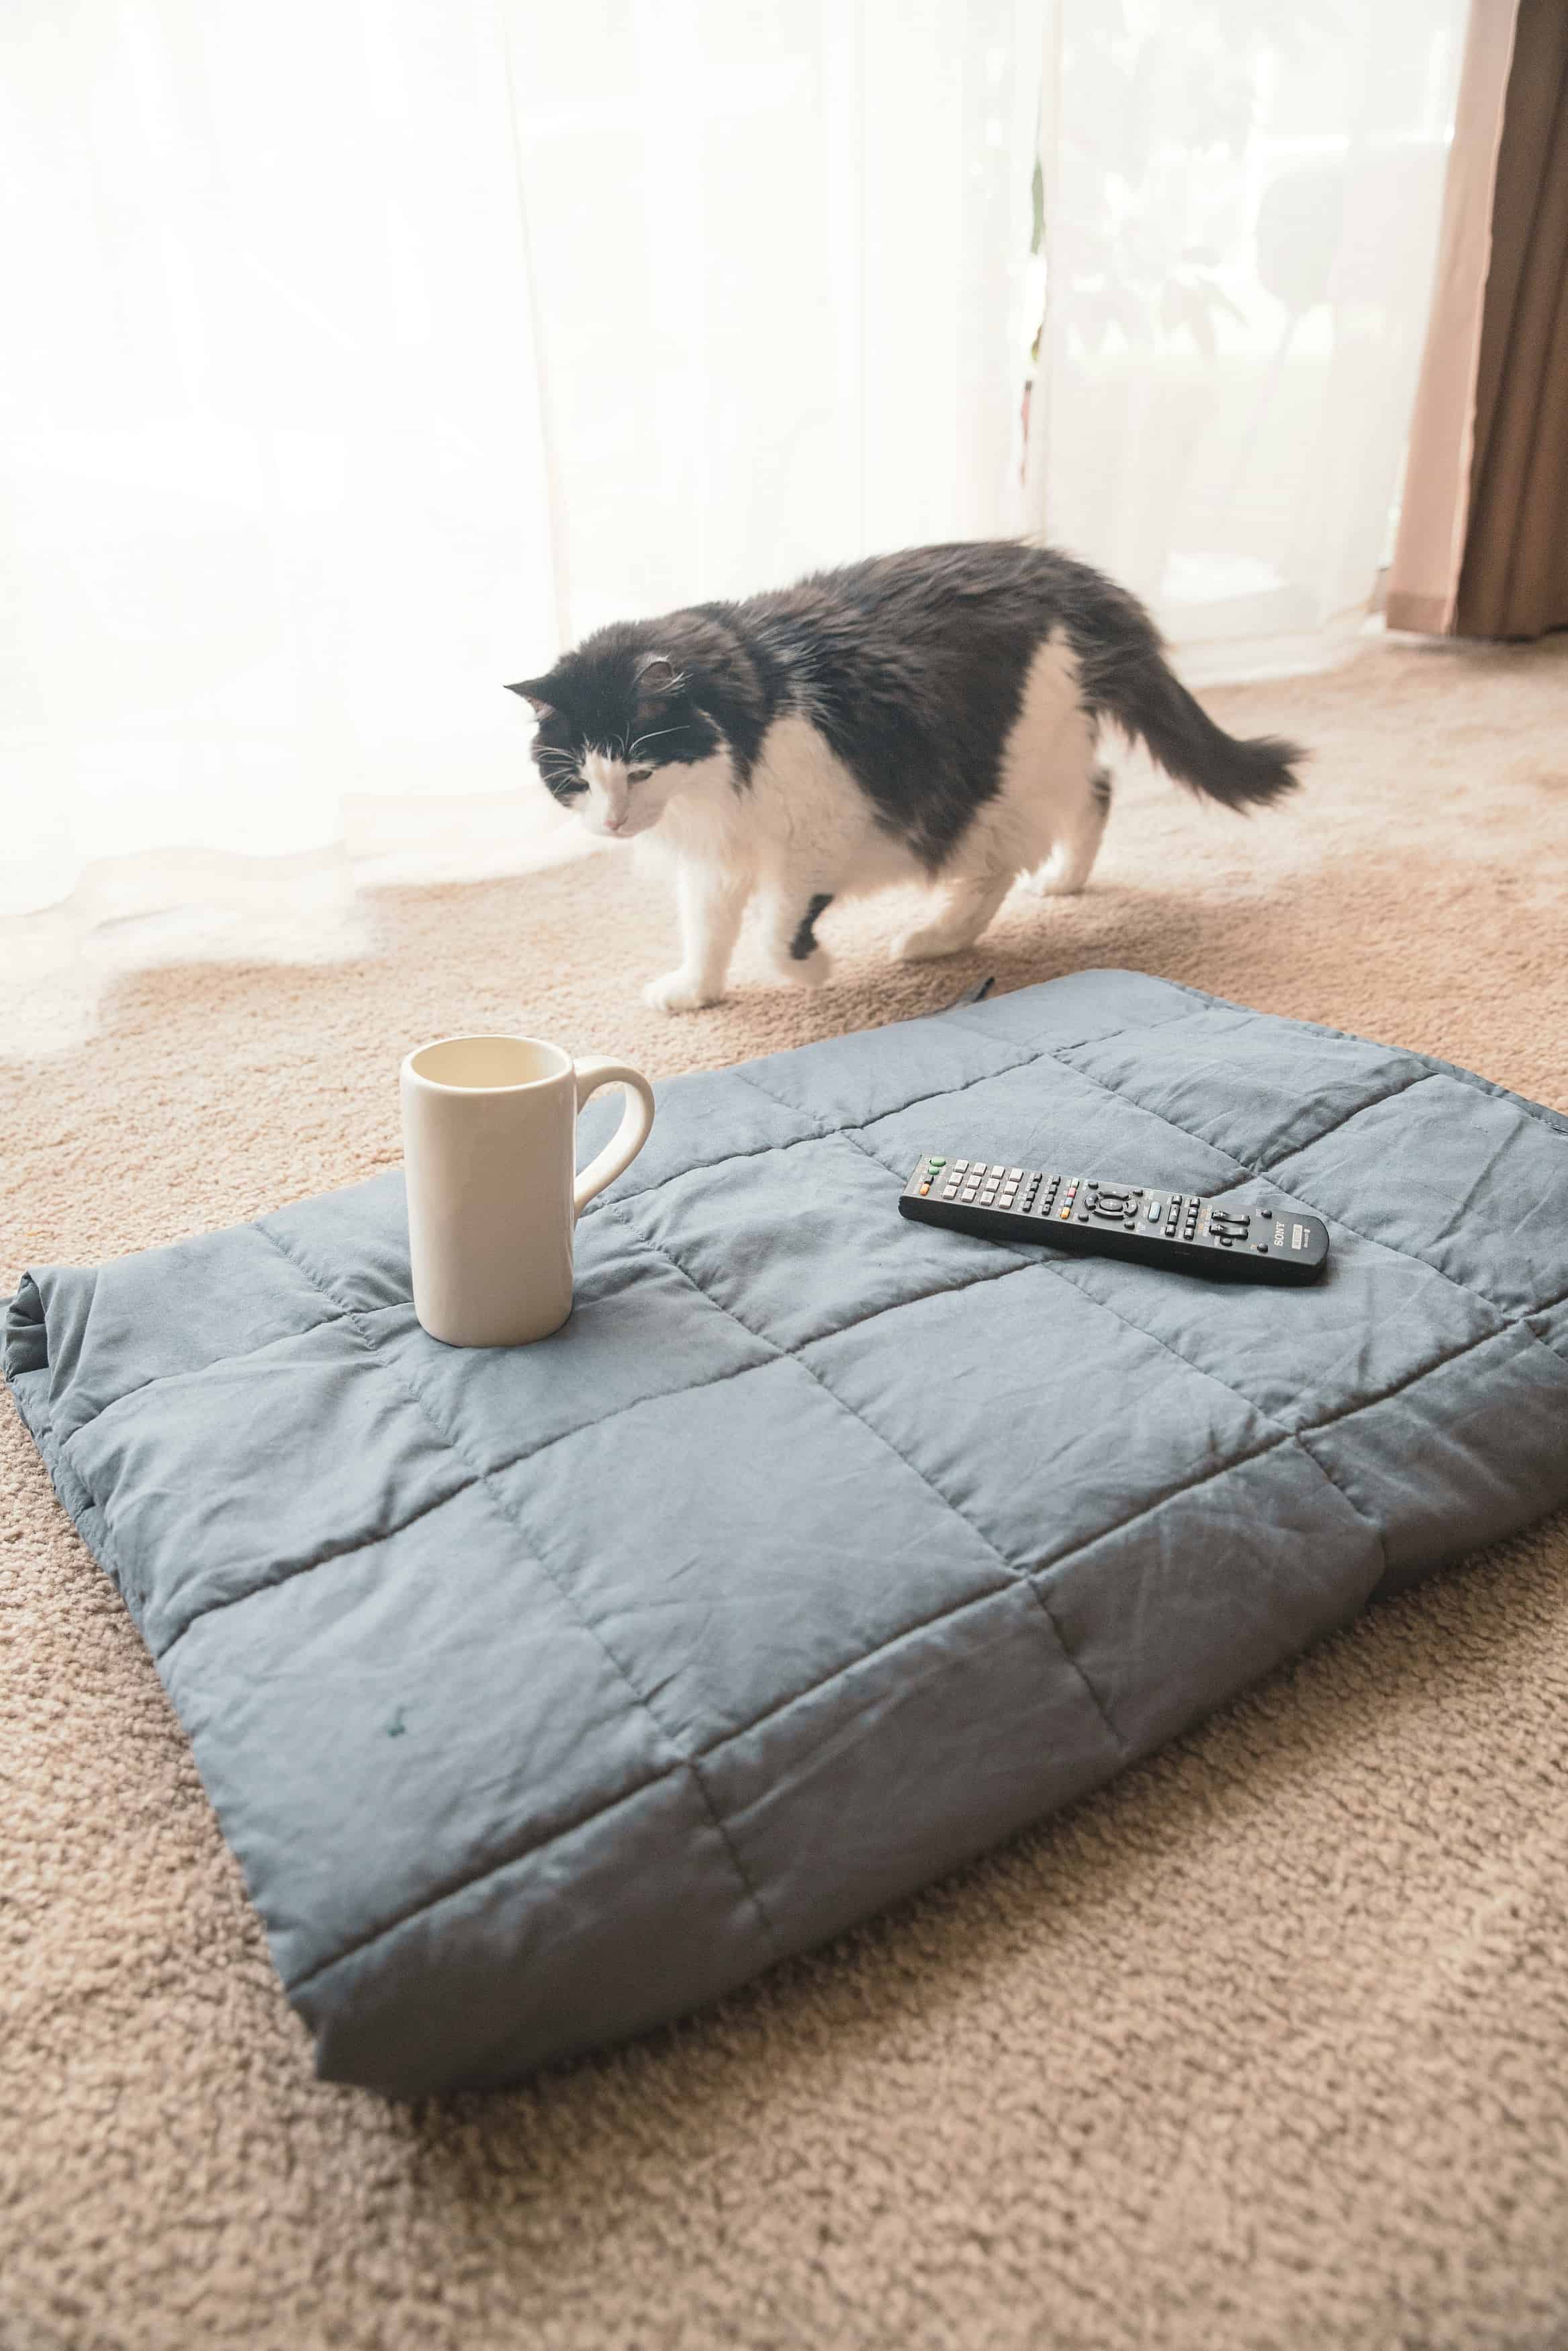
1391	1094
1287	1436
1027	1061
1555	1122
196	1372
309	1566
815	1133
1018	1575
1023	1575
1397	1249
567	1598
732	1738
786	1355
517	1460
1251	1403
655	1780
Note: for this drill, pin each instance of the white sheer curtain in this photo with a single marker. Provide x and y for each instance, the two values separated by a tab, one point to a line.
270	439
1241	205
361	354
358	355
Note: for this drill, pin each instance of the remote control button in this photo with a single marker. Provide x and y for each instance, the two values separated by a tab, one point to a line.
1261	1248
1015	1174
1225	1241
924	1189
936	1163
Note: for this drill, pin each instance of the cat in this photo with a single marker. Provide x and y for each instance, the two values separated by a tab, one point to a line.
930	716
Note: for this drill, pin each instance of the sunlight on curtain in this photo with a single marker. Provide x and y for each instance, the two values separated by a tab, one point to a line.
1240	211
361	356
270	435
782	270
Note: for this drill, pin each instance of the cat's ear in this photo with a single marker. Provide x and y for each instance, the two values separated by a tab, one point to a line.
656	673
537	691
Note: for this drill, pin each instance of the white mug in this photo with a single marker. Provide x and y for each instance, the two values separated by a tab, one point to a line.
490	1130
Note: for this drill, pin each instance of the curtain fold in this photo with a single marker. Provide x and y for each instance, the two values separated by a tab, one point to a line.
1514	579
1240	207
1424	575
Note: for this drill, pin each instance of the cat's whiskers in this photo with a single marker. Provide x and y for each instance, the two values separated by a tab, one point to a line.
653	737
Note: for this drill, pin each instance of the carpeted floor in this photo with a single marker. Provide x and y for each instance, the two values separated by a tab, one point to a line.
1267	2045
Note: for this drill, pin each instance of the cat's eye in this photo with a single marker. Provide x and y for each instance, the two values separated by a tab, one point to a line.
638	775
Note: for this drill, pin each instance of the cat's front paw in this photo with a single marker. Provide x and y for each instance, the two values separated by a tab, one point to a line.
678	992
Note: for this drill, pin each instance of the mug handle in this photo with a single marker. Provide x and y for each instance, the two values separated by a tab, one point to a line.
592	1072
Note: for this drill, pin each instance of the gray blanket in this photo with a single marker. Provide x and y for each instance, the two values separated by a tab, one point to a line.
546	1693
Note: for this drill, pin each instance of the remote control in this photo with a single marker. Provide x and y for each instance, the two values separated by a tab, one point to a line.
1095	1216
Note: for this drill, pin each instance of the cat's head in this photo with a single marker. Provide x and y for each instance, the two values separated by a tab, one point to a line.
619	732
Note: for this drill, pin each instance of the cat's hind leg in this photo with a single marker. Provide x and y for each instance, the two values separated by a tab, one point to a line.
971	902
1077	843
790	919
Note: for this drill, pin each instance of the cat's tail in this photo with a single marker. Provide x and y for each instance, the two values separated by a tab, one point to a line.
1124	677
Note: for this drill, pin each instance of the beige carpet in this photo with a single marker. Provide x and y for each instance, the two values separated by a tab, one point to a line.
1266	2045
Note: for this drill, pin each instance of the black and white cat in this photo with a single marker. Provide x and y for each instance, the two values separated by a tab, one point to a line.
929	717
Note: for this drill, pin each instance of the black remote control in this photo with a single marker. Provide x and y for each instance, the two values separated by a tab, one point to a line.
1095	1216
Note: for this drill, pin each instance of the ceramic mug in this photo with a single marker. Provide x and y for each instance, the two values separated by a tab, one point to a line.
490	1128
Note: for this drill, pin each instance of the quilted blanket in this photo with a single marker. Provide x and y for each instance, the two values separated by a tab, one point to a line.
546	1693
